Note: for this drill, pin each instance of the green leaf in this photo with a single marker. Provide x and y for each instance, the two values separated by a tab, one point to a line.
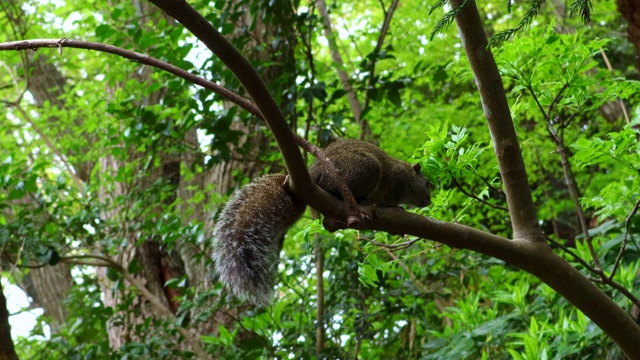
50	228
367	275
16	193
113	274
30	184
134	267
394	96
104	31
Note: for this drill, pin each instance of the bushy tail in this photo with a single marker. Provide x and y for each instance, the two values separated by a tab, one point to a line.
248	237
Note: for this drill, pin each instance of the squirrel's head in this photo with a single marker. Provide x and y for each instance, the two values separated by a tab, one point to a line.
419	193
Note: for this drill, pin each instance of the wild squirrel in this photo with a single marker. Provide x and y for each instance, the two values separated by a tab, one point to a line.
250	231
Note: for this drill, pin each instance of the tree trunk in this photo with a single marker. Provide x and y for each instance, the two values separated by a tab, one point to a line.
630	11
7	351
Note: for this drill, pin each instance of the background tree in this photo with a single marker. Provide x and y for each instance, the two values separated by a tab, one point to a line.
114	185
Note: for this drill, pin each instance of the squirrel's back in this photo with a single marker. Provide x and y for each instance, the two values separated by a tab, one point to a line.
373	176
248	237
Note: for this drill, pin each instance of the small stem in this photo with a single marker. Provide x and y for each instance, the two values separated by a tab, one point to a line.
320	330
624	108
625	239
495	206
575	197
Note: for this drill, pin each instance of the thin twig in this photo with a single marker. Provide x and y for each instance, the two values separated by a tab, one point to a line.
625	239
413	277
602	278
568	173
354	218
320	300
495	206
628	294
54	149
352	97
393	247
556	99
194	341
535	98
575	256
624	108
374	60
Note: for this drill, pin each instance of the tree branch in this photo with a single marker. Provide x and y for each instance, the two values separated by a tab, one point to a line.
7	350
354	219
610	68
376	51
54	149
137	57
569	177
468	194
251	81
318	251
299	182
496	109
523	252
625	239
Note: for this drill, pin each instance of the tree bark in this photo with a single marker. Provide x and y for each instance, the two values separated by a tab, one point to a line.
7	350
524	217
630	11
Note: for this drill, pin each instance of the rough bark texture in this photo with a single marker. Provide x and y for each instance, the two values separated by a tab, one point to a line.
52	284
140	248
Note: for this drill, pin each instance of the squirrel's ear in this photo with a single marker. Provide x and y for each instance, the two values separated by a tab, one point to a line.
417	168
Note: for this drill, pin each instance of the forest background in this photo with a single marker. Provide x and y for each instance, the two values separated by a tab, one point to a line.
113	172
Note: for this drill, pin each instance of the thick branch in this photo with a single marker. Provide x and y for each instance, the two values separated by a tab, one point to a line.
319	195
299	182
253	84
529	256
496	109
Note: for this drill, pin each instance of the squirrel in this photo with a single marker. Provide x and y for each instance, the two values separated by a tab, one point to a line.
249	234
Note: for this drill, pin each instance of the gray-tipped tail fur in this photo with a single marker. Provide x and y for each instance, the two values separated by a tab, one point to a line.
248	237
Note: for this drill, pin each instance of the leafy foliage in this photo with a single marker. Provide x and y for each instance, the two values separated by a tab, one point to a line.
127	155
